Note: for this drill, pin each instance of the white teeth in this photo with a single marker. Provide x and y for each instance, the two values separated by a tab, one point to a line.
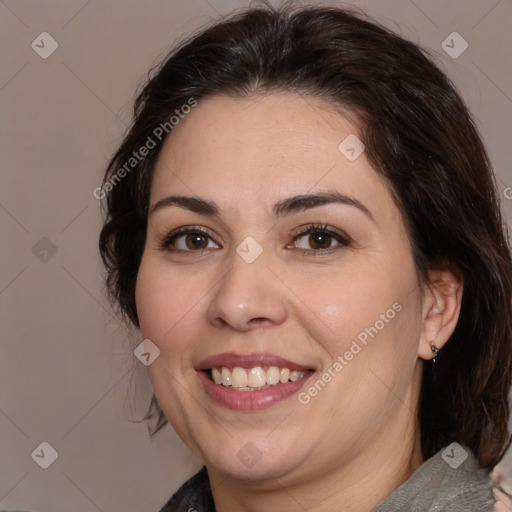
216	376
256	377
238	378
226	377
247	379
273	375
294	375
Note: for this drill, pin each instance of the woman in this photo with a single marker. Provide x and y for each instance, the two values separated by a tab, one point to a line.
303	223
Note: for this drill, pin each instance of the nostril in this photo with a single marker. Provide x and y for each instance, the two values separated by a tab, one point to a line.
258	321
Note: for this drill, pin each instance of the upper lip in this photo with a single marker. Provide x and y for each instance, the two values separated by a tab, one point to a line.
231	360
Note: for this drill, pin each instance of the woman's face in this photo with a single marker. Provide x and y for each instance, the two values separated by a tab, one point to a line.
296	267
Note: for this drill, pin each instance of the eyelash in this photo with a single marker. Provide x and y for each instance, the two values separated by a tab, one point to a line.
343	239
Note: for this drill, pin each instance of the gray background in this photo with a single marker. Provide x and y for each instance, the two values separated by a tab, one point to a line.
67	372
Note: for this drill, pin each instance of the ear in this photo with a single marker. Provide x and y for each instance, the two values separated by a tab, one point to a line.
442	299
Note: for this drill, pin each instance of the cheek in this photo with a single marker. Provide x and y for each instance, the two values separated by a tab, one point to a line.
363	304
163	300
342	300
368	334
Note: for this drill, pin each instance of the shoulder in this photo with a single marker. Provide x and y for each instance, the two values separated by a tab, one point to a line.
193	496
450	481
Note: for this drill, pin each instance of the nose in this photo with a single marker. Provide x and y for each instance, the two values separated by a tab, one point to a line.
247	297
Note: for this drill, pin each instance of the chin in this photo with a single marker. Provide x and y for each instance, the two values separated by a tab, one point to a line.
254	460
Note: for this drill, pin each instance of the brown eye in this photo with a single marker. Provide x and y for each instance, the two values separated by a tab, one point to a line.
196	241
188	240
320	240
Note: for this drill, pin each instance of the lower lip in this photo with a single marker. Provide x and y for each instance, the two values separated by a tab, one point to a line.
251	400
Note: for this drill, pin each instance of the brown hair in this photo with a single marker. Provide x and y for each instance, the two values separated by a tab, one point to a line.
419	136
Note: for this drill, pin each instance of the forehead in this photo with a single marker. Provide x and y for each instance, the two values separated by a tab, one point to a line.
260	148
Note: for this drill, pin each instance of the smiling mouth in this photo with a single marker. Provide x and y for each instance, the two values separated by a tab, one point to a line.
254	379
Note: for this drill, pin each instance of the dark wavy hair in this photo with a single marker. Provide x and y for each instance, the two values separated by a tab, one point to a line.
419	137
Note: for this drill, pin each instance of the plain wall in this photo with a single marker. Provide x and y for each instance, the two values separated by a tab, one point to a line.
67	373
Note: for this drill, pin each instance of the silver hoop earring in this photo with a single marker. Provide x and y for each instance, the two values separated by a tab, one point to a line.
435	350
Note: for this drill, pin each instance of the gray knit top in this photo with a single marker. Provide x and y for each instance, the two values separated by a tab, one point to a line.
443	483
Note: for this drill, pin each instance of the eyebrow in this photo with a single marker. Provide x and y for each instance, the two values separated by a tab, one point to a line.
281	209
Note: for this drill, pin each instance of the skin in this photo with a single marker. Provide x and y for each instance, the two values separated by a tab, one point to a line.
357	440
